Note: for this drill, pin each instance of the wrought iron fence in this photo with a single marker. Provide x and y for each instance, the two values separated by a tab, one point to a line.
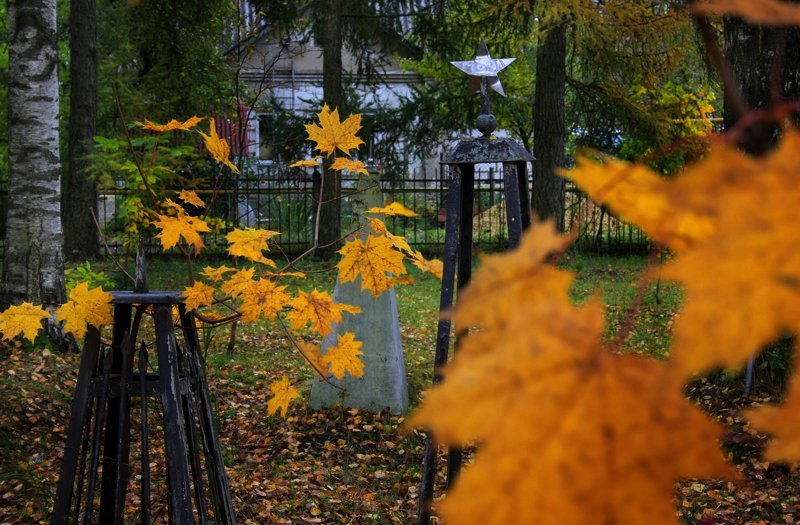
283	200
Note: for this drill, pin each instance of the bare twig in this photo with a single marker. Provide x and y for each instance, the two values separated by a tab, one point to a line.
108	250
296	345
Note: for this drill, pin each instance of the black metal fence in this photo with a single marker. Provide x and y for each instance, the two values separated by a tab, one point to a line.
284	201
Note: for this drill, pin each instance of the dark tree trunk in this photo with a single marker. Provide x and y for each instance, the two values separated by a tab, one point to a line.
547	197
753	52
330	212
33	263
79	192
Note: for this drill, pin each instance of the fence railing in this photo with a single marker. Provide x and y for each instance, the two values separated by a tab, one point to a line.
284	200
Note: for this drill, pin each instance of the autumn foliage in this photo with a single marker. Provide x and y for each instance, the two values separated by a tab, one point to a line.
253	290
570	431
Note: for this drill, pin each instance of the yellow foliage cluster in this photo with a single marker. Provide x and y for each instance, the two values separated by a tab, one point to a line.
253	291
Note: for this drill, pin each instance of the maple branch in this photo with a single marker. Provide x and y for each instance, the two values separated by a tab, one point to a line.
313	248
296	345
131	148
108	249
216	322
757	116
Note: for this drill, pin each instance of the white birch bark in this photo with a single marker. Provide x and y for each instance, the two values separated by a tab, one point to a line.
33	268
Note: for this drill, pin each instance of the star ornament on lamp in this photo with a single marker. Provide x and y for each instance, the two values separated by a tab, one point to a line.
484	69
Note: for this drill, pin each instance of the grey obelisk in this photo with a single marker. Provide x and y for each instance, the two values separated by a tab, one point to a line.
383	384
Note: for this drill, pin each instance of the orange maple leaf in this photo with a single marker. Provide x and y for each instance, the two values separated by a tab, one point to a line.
313	353
318	309
559	417
25	319
398	241
171	125
197	295
763	12
181	225
434	266
306	163
86	307
343	358
333	133
370	260
353	166
249	243
239	282
216	274
731	220
262	298
190	197
394	209
282	394
218	147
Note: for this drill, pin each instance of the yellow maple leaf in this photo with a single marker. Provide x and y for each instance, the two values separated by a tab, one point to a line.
191	197
249	243
86	307
744	256
763	12
313	353
197	295
559	417
370	260
216	274
782	422
331	133
262	298
25	319
282	394
398	241
394	209
180	225
218	147
353	166
306	163
239	282
343	358
645	198
318	309
171	125
434	266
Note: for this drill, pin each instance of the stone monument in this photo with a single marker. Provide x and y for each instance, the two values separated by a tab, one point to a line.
383	384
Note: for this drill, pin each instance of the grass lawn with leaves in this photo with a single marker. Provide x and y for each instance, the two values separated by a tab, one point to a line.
348	466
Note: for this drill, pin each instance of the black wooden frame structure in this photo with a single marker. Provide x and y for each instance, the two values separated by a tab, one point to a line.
458	247
98	442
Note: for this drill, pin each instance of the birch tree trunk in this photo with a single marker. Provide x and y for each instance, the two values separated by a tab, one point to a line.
33	267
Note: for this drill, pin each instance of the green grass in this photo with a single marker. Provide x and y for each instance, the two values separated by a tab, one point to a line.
619	281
